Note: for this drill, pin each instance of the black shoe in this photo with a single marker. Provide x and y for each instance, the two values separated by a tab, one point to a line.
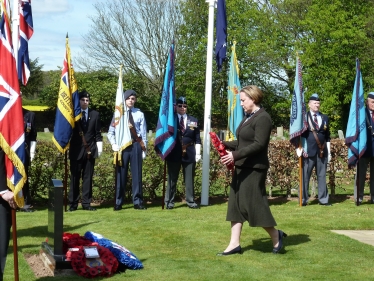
326	204
139	207
72	209
89	208
170	207
117	207
237	250
27	210
281	235
194	207
304	204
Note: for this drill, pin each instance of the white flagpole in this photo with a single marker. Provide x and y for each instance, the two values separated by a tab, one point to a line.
15	29
208	106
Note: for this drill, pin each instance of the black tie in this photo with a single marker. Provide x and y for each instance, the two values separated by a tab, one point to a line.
181	124
84	119
316	121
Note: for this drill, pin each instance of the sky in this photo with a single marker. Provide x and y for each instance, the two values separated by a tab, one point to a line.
52	19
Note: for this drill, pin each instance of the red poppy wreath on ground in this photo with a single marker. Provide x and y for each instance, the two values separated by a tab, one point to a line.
106	265
218	145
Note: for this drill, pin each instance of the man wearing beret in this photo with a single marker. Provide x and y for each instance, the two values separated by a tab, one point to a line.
7	202
185	154
30	145
86	145
317	151
368	157
132	154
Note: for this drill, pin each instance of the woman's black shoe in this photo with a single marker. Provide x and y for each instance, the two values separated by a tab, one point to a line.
281	234
237	250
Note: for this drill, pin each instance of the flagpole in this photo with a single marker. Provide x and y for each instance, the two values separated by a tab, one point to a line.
357	184
65	182
208	105
300	176
163	186
15	31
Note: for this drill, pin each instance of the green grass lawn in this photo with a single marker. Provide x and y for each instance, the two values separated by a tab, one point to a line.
181	244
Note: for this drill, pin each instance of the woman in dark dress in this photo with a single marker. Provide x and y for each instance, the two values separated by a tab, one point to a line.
248	199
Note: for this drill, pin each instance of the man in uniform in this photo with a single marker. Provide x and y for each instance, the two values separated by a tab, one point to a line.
368	157
85	146
6	203
133	154
317	138
30	145
185	154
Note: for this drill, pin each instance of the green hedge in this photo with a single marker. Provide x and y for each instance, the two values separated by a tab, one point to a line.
283	173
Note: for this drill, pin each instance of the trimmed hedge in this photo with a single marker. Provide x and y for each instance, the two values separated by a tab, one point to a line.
283	173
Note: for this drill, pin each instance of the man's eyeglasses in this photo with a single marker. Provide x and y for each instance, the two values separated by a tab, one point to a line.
182	105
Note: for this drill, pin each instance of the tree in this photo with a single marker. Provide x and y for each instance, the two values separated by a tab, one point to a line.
102	86
135	33
269	33
36	81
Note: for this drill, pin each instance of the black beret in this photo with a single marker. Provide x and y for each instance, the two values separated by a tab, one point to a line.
84	94
371	95
129	93
182	100
314	97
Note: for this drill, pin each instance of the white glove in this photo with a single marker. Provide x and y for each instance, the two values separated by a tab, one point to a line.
32	150
328	152
99	145
197	158
299	152
198	154
143	154
115	147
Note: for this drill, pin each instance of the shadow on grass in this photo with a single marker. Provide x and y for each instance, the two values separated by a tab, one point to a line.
264	244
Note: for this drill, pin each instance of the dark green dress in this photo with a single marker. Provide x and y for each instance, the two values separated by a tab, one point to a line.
248	199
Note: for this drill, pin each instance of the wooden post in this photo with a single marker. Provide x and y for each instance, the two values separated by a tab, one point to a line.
15	250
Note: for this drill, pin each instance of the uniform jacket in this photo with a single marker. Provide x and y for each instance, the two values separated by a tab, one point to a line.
140	127
92	135
250	149
29	127
369	134
323	134
190	136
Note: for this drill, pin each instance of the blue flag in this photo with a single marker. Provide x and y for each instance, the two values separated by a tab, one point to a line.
166	130
356	127
235	111
221	33
298	123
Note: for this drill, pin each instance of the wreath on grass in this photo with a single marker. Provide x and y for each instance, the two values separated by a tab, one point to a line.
106	265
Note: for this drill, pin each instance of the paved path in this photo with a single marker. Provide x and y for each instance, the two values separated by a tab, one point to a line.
364	236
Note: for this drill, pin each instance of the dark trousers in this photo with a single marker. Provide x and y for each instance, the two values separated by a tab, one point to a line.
363	165
131	155
5	217
188	175
6	222
321	165
26	187
81	169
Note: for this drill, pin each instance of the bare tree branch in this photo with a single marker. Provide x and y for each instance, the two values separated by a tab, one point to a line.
135	33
